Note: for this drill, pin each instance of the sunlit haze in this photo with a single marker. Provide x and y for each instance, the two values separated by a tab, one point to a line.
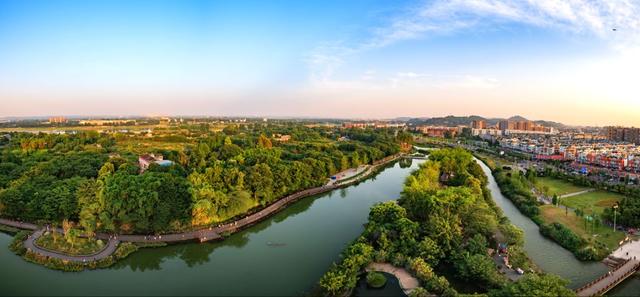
574	62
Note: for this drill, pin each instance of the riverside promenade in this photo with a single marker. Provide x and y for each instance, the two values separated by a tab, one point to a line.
603	284
205	234
109	249
630	254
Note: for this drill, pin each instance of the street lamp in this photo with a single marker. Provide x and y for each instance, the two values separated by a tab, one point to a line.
614	217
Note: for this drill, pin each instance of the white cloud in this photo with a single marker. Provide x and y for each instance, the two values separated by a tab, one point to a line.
443	17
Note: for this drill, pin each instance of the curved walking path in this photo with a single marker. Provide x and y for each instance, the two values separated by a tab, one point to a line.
206	234
30	245
408	283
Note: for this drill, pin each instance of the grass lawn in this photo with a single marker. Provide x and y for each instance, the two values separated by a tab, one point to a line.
604	234
558	186
81	246
592	202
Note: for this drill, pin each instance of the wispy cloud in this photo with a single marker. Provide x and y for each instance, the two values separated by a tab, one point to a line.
444	17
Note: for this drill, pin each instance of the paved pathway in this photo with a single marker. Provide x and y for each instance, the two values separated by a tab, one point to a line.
408	283
30	244
630	250
19	225
630	253
576	193
608	281
205	234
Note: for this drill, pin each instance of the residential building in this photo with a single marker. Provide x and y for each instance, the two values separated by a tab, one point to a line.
144	161
57	120
479	124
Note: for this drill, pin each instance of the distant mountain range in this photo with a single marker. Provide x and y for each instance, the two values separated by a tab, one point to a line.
453	121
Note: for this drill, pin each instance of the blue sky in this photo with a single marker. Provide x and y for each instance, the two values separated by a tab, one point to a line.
322	58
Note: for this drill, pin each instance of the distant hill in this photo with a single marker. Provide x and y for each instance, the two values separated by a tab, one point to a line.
453	121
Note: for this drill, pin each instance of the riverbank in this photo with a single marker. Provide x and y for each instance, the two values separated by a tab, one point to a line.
52	259
516	185
309	234
410	234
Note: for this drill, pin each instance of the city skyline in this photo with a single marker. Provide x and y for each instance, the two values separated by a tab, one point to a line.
545	60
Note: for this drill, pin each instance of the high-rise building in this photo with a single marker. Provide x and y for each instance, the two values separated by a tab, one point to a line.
504	125
479	124
57	120
621	134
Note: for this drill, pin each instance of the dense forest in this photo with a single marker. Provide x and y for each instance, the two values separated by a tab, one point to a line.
94	179
442	224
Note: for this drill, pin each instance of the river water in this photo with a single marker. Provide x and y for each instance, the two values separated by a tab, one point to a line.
284	255
551	257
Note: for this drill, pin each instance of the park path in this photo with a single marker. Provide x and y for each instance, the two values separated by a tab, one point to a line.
204	234
408	283
577	193
547	200
30	245
19	225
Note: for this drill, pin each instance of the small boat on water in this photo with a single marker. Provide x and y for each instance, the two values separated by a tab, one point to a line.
275	244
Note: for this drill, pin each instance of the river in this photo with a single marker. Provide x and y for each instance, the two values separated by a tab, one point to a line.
284	255
551	257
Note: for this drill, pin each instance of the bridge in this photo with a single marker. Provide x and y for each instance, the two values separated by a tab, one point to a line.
608	281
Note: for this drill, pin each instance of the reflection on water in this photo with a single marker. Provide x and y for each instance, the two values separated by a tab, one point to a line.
405	162
311	234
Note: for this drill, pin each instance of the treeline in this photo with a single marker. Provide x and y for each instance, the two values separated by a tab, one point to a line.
89	179
442	220
517	187
572	242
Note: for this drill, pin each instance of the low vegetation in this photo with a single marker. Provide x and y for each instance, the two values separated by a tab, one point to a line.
69	245
593	202
376	280
628	212
17	246
552	186
590	243
589	230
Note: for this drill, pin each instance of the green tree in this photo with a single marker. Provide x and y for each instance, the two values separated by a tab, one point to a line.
264	142
535	285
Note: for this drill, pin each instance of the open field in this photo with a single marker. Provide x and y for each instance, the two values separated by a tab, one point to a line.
557	186
592	202
604	234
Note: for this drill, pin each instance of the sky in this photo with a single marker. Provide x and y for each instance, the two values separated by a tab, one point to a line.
556	60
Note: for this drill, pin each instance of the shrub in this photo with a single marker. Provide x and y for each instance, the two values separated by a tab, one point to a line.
17	245
376	280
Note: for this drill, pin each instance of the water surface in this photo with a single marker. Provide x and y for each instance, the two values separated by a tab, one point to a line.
310	235
550	256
